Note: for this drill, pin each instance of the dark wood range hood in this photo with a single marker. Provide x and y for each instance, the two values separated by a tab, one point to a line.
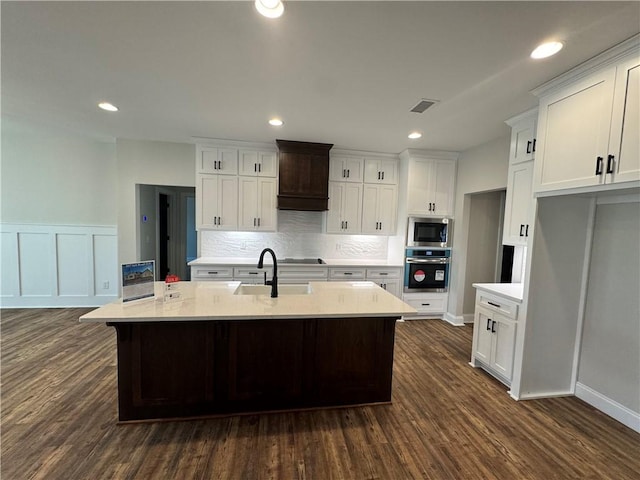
304	175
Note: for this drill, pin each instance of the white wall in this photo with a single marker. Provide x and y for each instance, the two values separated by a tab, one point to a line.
152	163
610	351
58	234
55	177
480	169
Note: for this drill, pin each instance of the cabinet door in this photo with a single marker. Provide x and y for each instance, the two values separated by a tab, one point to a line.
248	160
624	142
381	171
504	338
391	285
419	195
442	187
334	214
247	203
267	204
370	207
518	204
227	161
227	202
387	209
346	168
522	141
484	336
268	164
208	202
352	208
573	134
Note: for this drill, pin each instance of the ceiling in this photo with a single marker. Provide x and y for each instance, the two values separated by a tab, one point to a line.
345	73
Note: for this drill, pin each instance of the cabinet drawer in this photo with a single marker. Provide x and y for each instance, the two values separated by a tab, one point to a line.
346	274
301	275
248	272
431	305
497	304
212	273
381	273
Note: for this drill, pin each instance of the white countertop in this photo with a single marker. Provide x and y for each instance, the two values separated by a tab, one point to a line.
252	262
510	291
216	301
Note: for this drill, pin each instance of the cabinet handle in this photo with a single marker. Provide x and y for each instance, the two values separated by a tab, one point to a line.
533	150
348	173
425	304
383	285
529	145
253	273
215	220
493	327
488	324
346	224
380	225
494	304
219	164
521	227
348	273
383	273
599	165
344	173
254	221
526	231
258	221
382	175
219	220
255	167
212	273
260	167
610	163
378	175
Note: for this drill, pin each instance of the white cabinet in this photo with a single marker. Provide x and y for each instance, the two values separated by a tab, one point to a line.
523	137
257	204
339	274
379	208
252	274
388	278
519	204
426	303
346	168
211	272
218	160
217	202
588	131
300	274
378	170
258	163
431	186
345	207
494	335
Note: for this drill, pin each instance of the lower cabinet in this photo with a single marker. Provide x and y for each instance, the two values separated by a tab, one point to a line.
494	335
198	368
427	304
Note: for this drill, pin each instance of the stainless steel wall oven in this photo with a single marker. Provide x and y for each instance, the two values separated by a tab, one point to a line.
426	270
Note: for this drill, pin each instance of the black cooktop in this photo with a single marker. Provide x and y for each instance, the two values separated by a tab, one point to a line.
304	261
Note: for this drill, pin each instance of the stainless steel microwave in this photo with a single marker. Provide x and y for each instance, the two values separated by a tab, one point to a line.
429	232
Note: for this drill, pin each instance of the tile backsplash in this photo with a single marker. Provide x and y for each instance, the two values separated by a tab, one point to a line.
300	234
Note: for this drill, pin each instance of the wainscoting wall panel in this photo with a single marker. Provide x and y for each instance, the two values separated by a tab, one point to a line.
58	265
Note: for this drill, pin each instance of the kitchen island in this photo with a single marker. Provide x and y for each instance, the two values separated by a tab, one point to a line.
223	348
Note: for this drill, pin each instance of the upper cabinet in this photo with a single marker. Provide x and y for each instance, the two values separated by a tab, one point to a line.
255	163
217	202
346	168
588	130
217	160
518	209
345	208
257	204
380	170
431	184
379	209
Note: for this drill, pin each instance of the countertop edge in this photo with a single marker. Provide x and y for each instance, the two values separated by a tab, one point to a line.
510	291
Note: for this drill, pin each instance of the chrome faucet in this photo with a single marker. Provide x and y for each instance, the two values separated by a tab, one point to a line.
274	279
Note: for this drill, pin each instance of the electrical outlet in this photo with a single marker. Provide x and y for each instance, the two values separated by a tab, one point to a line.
105	285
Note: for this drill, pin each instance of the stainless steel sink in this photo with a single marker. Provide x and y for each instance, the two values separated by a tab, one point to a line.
246	289
302	261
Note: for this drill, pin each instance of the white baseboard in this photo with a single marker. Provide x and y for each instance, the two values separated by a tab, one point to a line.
56	302
538	396
606	405
468	317
453	319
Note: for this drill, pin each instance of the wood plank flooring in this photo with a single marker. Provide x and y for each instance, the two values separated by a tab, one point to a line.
447	420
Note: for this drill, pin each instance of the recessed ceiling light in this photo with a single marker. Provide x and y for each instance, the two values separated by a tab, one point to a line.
414	135
108	107
546	50
270	8
276	122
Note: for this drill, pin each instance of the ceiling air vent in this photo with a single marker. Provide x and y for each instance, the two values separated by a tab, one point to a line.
423	105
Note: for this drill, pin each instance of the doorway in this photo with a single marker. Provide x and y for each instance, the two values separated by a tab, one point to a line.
166	230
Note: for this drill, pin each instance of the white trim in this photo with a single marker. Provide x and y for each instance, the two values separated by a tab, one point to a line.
615	410
589	189
429	154
537	396
615	199
531	113
363	153
458	321
219	142
584	283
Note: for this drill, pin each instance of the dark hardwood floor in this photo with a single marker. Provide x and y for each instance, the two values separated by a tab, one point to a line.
447	420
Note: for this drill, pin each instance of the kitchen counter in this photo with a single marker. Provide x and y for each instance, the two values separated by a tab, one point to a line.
510	291
211	352
216	300
252	262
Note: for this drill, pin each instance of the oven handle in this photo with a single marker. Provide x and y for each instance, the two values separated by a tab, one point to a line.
441	261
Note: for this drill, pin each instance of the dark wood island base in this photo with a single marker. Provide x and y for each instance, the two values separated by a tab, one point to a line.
192	369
